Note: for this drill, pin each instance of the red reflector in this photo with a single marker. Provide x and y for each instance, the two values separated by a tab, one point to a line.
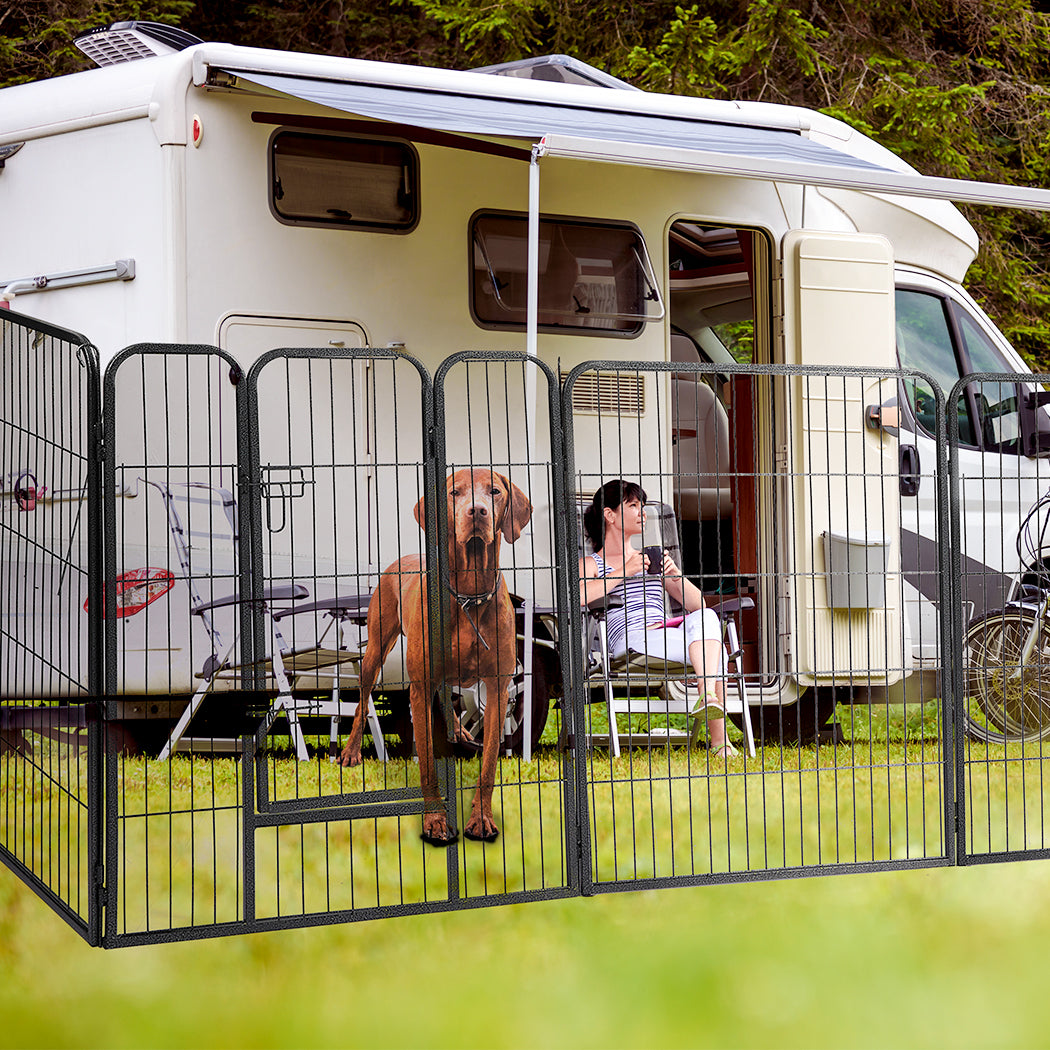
137	589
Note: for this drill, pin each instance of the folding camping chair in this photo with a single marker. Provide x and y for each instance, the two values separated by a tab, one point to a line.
637	683
314	666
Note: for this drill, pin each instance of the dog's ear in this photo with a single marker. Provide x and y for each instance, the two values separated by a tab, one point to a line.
420	514
518	512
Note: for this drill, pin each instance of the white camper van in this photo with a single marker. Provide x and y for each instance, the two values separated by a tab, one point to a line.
250	199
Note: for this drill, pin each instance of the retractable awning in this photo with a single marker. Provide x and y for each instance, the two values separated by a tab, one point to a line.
608	134
873	179
513	118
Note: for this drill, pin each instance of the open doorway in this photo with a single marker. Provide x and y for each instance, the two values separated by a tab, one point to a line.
712	279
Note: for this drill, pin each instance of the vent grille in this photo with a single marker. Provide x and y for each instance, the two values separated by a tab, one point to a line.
609	394
112	49
127	41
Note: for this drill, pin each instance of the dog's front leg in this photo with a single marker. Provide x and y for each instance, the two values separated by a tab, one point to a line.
481	825
435	826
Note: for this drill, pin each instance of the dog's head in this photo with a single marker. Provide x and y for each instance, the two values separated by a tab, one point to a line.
483	506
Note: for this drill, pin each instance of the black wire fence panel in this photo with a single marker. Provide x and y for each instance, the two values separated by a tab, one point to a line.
999	438
318	641
786	497
50	660
175	634
289	531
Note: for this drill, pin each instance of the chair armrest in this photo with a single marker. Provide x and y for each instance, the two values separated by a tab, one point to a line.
352	607
600	607
285	592
730	606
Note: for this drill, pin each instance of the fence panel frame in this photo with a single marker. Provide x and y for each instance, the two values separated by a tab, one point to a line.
947	514
574	793
966	854
89	516
109	742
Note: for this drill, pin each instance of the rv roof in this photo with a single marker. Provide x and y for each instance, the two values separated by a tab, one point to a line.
746	139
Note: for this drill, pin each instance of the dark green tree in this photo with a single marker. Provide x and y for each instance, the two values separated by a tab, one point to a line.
959	88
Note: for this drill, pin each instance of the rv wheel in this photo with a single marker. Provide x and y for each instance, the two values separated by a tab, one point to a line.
541	698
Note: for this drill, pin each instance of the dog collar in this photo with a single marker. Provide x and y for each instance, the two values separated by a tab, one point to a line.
473	601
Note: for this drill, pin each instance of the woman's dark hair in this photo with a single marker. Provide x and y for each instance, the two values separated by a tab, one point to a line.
608	497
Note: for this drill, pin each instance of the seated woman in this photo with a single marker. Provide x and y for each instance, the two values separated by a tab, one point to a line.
615	516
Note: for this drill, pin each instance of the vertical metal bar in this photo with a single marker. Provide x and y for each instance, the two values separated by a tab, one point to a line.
248	824
435	468
109	662
251	573
950	623
952	636
574	699
93	517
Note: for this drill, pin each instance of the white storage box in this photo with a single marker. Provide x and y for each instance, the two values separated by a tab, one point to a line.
855	570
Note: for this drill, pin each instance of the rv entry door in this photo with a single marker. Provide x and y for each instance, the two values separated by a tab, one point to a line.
841	478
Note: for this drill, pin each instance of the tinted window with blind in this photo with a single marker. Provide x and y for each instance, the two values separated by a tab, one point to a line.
593	276
325	180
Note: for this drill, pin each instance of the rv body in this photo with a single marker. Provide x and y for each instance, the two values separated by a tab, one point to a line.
159	182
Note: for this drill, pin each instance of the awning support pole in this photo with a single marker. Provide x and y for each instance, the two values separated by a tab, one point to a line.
531	332
533	260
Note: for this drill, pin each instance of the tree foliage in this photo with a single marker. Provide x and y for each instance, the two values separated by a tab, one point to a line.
959	88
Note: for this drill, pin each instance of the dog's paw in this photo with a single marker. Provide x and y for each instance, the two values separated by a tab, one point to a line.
351	756
436	830
481	829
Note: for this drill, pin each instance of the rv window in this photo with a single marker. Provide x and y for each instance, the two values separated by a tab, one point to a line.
325	180
591	275
924	343
997	403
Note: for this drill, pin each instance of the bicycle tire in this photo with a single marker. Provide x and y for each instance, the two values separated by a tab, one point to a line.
1005	702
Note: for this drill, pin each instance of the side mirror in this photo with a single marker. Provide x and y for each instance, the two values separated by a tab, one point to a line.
1035	423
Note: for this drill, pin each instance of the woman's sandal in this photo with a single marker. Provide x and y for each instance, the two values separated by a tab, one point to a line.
724	750
708	699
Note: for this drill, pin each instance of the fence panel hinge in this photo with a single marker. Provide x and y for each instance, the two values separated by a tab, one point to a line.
100	877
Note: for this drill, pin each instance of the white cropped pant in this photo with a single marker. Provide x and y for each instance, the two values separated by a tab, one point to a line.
672	643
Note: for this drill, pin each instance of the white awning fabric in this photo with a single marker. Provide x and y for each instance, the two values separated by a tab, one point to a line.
607	135
506	118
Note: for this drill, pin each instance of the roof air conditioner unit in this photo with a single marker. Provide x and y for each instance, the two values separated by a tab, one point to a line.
126	41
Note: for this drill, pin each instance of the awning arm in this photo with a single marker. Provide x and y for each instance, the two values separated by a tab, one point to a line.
532	290
908	184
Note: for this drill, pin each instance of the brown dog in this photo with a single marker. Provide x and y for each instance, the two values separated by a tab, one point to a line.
482	507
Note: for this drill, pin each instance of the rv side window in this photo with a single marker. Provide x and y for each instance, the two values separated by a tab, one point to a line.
592	275
327	180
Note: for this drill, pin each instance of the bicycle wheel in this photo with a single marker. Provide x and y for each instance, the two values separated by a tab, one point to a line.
1005	701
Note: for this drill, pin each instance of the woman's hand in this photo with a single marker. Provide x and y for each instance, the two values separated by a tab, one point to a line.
636	562
669	568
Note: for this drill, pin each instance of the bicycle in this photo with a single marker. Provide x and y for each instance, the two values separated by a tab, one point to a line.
1006	652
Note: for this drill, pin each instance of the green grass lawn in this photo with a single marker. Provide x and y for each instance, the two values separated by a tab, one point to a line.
943	958
946	957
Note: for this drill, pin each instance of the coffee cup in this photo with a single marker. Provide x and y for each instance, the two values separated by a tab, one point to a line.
656	560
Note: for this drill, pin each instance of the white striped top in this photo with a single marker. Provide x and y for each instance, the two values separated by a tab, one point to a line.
643	597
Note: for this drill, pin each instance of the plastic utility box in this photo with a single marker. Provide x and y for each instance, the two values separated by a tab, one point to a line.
855	570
